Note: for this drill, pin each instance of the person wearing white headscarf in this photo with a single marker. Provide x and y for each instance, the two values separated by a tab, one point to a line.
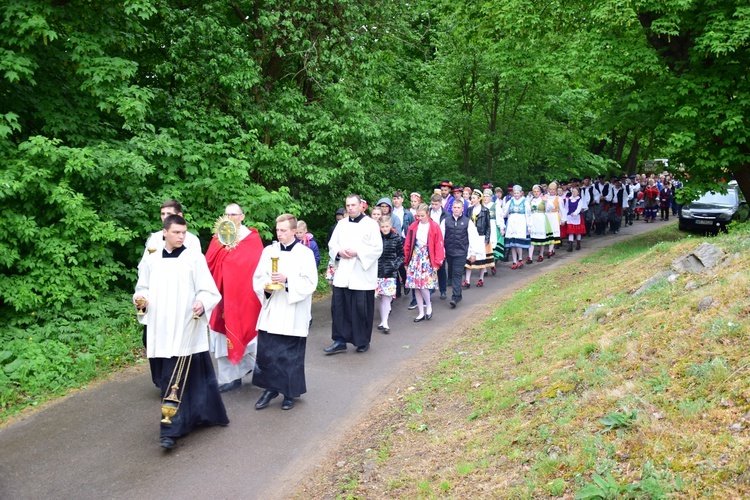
517	227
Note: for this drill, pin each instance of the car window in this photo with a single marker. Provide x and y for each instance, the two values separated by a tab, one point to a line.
730	198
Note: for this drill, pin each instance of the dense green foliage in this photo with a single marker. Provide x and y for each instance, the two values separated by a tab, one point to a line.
108	108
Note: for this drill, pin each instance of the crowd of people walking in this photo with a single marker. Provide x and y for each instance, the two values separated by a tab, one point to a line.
250	306
429	247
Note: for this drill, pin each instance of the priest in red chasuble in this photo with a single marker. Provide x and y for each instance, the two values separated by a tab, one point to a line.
232	258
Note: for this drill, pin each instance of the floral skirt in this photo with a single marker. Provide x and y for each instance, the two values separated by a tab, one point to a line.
385	286
419	272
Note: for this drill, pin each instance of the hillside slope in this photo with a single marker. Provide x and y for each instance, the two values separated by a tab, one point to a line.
578	386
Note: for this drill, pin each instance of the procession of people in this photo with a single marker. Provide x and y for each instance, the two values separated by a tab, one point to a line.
250	306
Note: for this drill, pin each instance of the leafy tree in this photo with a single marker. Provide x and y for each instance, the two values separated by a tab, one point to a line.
680	74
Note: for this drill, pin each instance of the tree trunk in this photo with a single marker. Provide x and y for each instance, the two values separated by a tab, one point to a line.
494	105
599	147
621	146
468	100
742	176
632	160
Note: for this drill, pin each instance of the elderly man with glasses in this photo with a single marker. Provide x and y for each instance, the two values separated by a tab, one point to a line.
233	324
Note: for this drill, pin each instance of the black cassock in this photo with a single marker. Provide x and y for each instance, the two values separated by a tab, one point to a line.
353	312
201	404
280	364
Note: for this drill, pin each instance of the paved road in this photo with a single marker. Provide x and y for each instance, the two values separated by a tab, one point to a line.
102	442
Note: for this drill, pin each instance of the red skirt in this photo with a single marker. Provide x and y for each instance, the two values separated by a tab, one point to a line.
579	228
563	231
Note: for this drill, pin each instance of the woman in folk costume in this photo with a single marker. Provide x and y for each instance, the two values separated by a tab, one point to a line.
497	242
517	226
553	204
574	223
640	204
540	230
388	264
651	197
424	248
483	255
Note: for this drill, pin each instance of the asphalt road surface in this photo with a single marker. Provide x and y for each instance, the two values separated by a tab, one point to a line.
102	442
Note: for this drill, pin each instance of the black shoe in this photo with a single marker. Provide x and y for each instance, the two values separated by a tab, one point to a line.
443	296
334	348
381	327
167	443
453	303
413	305
428	316
287	404
386	330
363	348
419	318
265	399
234	384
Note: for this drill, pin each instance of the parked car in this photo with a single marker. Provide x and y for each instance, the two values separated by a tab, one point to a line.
713	211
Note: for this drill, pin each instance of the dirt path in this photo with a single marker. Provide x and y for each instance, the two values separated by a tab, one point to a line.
103	442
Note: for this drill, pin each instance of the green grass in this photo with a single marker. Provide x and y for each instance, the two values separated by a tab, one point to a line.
48	354
636	400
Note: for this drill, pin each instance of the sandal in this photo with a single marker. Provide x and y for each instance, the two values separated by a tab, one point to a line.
529	261
540	259
480	284
514	266
520	265
493	271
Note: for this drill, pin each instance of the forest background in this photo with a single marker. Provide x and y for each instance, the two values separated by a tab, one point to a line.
109	108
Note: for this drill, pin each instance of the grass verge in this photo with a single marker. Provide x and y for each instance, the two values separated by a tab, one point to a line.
52	352
577	387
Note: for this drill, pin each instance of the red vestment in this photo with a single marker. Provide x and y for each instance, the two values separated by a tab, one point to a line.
236	316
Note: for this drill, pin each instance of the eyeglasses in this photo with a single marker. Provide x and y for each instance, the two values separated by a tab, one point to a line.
233	215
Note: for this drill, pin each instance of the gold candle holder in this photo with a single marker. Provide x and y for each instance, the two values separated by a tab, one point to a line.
275	253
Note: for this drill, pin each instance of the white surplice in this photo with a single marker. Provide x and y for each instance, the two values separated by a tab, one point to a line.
361	272
171	286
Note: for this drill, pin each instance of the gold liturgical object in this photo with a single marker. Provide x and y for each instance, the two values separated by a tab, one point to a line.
226	232
275	254
171	403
